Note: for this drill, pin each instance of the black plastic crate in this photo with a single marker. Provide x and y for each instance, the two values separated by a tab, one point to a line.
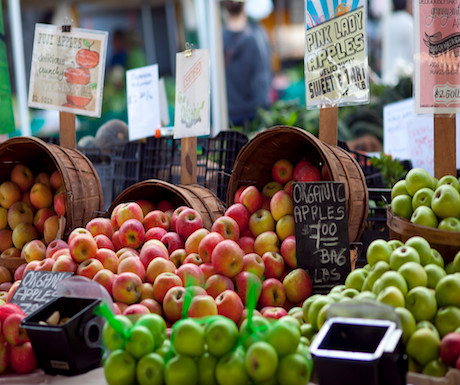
72	348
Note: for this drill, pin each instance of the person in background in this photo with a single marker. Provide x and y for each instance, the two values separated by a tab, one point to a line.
398	43
247	66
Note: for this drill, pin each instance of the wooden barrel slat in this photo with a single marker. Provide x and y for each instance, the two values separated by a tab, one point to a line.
84	199
195	196
255	160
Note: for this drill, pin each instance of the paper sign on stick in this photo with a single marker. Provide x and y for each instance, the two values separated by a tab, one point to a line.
336	53
143	101
192	111
67	71
437	68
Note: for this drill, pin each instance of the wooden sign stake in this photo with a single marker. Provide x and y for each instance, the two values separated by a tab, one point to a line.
188	160
67	135
328	124
444	145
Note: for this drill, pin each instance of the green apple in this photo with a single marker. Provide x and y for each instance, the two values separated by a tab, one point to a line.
392	296
424	216
150	370
390	278
447	319
418	178
434	273
306	330
412	366
305	341
450	268
335	296
207	369
437	258
423	248
376	272
120	368
367	267
140	341
164	349
231	369
448	291
423	346
414	274
111	338
449	224
307	303
188	338
261	361
451	180
399	188
315	307
446	202
456	262
338	289
378	250
365	296
421	302
355	279
407	322
401	206
157	326
427	324
402	255
395	243
350	293
261	326
221	336
435	368
422	198
291	320
322	315
293	370
181	369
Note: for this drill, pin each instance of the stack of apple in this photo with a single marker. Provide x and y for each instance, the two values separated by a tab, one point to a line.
426	201
211	351
410	277
30	209
16	351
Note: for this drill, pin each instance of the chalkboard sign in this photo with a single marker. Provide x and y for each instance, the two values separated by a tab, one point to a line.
321	231
37	288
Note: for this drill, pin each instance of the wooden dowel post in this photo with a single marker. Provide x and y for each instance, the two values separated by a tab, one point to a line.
67	134
328	124
188	160
444	146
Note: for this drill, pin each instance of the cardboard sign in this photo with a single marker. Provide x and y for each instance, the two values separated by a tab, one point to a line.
67	72
437	73
143	101
321	231
407	135
192	111
336	53
37	288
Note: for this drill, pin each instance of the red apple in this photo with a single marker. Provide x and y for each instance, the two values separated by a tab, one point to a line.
288	251
154	306
227	227
193	241
108	258
11	252
178	257
127	288
132	233
281	204
207	245
306	171
89	267
172	241
218	283
132	264
273	312
145	205
193	258
227	258
158	266
190	274
64	263
82	247
12	331
188	221
136	308
19	212
173	303
164	206
282	171
163	282
237	195
246	243
208	270
98	226
253	263
273	293
57	244
288	187
261	221
156	218
155	233
151	251
59	202
267	241
274	264
126	211
449	348
22	358
297	285
18	273
46	264
240	214
251	198
174	216
229	305
246	282
202	306
56	180
105	278
22	176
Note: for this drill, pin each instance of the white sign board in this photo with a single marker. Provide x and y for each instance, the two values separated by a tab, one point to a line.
407	135
192	112
143	101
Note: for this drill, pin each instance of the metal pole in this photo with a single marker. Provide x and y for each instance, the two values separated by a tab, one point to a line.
14	12
147	30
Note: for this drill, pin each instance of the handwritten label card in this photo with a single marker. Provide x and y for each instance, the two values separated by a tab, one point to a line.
37	288
67	72
336	53
321	231
143	101
192	113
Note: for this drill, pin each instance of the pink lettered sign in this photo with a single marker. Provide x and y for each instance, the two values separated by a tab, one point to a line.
437	58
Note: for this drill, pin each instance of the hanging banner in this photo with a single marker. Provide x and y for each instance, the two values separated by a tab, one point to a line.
437	68
6	103
192	112
67	72
335	59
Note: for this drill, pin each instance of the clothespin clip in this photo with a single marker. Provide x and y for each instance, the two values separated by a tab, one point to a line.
67	26
188	49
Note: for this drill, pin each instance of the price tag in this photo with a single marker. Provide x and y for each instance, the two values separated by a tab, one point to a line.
321	231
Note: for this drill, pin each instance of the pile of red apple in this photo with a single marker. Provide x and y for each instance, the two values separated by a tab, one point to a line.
16	351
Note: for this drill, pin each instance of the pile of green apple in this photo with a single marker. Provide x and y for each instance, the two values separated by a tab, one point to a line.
426	201
411	278
208	351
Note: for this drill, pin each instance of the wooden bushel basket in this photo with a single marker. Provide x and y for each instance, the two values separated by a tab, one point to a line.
195	196
83	200
255	160
446	242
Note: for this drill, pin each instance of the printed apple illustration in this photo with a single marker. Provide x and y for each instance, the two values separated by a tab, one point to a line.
87	58
79	75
